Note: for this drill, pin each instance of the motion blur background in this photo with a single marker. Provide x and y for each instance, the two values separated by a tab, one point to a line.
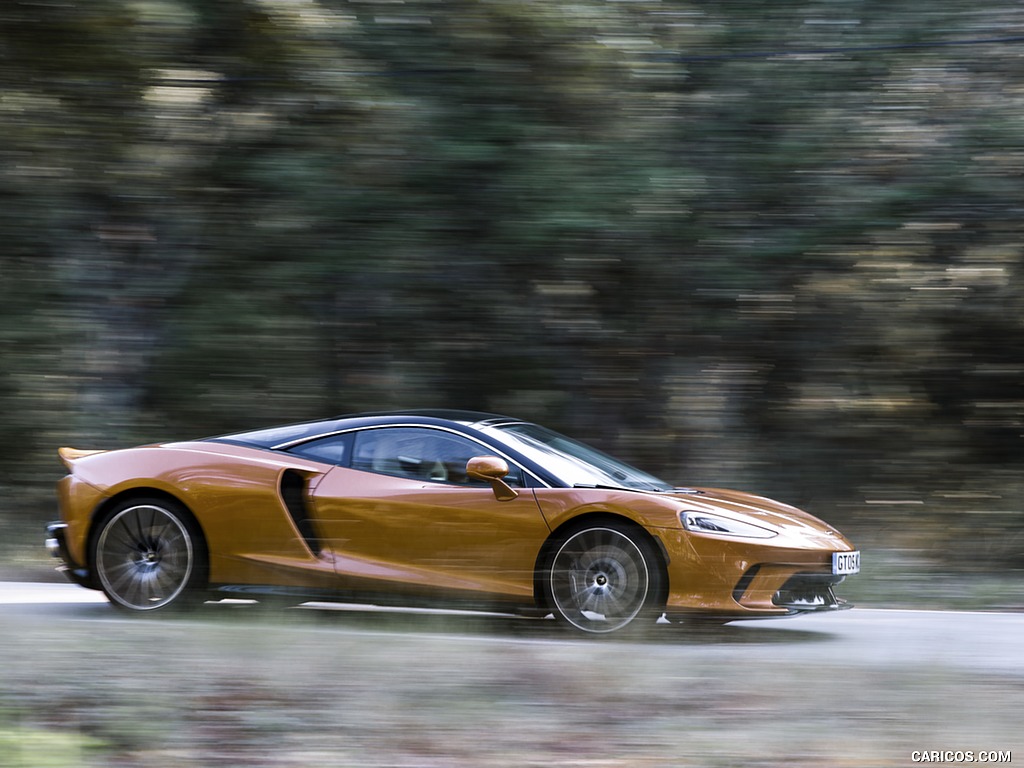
772	246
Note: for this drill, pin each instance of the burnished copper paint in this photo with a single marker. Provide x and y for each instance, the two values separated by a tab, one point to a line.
382	534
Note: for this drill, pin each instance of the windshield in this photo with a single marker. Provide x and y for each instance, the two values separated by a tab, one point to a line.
573	462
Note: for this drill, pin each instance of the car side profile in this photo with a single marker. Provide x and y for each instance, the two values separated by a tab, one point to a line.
448	508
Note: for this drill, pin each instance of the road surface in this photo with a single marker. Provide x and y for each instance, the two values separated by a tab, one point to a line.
233	685
981	641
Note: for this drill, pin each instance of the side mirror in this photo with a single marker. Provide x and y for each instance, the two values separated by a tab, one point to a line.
492	470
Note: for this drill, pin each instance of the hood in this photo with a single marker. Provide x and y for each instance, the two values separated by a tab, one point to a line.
756	509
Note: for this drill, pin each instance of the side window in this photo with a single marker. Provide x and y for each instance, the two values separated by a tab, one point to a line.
330	450
420	454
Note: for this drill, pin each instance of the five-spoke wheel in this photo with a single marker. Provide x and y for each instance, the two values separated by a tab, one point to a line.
602	577
148	554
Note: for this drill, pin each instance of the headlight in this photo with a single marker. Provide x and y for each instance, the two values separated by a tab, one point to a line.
702	522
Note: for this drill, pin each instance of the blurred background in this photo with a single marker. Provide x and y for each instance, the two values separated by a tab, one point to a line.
763	245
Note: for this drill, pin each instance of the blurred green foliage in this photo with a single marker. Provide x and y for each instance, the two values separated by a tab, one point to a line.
641	222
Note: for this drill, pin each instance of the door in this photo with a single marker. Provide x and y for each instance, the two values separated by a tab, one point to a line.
405	517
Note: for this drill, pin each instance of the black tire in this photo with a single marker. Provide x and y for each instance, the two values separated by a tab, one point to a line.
149	554
604	576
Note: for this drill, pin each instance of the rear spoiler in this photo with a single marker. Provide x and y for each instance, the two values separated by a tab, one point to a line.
70	455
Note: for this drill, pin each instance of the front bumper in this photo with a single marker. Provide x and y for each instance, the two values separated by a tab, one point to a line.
56	545
750	579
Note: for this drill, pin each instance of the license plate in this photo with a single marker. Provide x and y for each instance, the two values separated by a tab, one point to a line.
845	563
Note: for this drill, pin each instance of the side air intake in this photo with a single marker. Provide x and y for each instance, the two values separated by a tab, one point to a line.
293	491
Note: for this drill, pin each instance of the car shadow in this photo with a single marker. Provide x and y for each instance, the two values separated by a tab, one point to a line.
547	629
367	618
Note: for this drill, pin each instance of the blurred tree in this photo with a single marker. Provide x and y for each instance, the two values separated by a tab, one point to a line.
754	244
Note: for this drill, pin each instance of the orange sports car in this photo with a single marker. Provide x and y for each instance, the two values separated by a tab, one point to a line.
449	508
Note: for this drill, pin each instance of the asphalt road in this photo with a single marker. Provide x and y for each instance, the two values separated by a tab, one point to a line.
986	642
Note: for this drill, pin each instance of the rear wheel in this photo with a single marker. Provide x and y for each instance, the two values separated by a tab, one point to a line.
149	554
602	577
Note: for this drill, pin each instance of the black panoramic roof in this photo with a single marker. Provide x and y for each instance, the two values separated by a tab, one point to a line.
444	414
271	437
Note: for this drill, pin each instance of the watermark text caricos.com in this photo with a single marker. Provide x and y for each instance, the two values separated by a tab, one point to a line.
960	756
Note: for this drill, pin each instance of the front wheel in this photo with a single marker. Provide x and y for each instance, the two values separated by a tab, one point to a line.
149	554
603	577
